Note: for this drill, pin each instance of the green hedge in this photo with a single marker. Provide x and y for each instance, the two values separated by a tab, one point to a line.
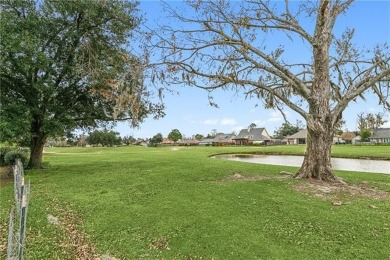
8	155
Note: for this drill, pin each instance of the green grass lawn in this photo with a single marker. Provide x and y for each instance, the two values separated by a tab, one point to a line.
164	203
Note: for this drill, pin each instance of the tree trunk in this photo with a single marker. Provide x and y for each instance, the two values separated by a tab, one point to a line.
320	121
38	140
317	162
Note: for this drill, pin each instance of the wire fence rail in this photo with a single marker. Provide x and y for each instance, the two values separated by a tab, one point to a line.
18	214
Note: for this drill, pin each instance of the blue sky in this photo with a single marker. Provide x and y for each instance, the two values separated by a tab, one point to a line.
190	112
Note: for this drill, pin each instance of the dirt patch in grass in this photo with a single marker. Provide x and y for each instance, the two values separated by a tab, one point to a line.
334	191
320	189
238	177
76	243
159	244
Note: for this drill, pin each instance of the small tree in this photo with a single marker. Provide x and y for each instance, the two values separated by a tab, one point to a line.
212	134
158	138
252	125
104	138
370	121
199	137
175	135
128	140
365	134
286	129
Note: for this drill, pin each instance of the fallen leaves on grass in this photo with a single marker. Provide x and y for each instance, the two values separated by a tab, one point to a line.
75	242
3	239
160	243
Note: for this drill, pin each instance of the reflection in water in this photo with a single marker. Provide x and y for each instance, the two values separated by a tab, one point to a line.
374	166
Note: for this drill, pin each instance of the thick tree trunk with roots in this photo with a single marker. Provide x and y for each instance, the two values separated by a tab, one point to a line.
317	162
38	140
320	121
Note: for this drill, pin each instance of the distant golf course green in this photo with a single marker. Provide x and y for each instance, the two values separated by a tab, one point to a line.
178	203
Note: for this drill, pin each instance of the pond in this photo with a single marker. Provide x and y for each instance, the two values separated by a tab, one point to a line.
359	165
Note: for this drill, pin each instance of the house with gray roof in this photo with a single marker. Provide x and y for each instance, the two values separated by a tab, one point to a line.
380	136
206	141
252	136
297	138
224	139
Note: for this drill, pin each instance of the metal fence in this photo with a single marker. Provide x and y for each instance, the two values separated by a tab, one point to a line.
18	214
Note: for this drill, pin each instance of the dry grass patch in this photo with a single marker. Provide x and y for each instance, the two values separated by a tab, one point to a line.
338	193
335	191
238	177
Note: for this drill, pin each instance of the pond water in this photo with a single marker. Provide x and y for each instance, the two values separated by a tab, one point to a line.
360	165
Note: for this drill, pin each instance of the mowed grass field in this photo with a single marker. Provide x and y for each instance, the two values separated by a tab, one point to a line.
178	203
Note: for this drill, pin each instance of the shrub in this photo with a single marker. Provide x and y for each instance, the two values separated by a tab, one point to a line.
3	151
11	156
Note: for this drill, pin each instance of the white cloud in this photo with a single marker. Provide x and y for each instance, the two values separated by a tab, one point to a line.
228	121
224	121
372	109
210	122
189	119
276	116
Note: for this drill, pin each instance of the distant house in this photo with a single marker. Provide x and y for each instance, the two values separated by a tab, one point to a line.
348	137
206	141
167	141
252	136
188	142
224	139
141	142
301	138
297	138
356	139
337	139
380	136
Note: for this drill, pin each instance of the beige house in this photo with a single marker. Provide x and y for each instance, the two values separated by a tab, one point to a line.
297	138
348	137
252	136
301	138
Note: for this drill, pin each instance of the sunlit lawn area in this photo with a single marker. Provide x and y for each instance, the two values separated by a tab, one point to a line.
177	203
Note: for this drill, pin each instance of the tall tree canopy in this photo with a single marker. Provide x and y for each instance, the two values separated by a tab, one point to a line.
370	121
226	44
175	135
104	138
67	64
156	139
286	129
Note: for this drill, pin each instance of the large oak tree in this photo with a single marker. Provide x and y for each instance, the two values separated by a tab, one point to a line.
66	65
244	45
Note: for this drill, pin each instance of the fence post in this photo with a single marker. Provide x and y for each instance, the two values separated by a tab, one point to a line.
21	194
10	233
